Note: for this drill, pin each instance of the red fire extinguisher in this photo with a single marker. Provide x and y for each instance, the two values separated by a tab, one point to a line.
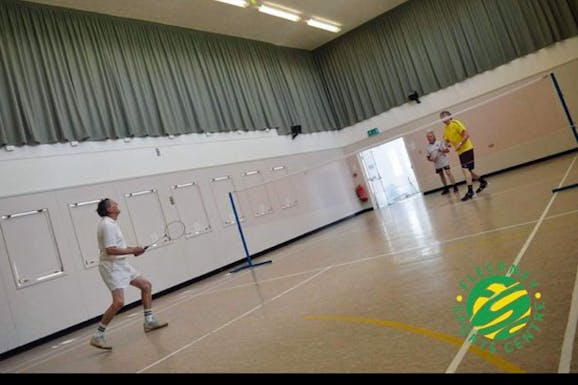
361	193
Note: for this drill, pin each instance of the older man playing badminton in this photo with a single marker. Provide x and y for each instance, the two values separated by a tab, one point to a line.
117	273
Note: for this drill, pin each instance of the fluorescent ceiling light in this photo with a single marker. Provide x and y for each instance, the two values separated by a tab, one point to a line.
321	25
237	3
279	13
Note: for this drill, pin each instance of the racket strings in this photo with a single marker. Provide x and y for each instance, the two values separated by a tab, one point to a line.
173	230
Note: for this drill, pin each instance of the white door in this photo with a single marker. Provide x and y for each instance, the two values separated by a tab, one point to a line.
394	166
378	196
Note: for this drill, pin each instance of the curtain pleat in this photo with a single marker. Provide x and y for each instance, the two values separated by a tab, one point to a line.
427	45
68	75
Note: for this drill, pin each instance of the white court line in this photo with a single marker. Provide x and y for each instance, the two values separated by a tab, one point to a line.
467	343
231	321
129	320
278	278
494	194
318	238
570	334
391	253
211	289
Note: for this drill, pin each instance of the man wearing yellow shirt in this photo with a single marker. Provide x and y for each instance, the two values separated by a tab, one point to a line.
455	133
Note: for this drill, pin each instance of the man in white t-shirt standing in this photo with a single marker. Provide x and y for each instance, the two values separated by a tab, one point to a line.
436	152
117	273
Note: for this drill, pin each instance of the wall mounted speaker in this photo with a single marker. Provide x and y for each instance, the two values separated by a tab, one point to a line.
295	130
414	96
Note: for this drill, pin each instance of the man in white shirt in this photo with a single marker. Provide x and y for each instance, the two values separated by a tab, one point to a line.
436	152
117	273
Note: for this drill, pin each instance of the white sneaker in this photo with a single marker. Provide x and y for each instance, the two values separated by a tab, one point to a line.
99	342
153	325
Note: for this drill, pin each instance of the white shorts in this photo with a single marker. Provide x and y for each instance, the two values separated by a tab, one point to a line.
117	274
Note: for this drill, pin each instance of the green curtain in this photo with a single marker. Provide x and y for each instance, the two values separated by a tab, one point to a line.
67	75
427	45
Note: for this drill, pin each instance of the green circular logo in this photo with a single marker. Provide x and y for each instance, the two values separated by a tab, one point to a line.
499	307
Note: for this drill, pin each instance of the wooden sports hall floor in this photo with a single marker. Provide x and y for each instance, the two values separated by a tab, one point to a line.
373	294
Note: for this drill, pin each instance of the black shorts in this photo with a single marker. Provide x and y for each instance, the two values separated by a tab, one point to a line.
467	159
439	170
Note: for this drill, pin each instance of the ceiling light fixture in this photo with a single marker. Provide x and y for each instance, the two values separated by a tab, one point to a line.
284	13
279	13
323	25
237	3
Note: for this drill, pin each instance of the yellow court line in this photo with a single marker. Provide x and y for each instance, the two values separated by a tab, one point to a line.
506	366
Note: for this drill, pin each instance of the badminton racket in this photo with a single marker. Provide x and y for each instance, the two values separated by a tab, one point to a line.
173	230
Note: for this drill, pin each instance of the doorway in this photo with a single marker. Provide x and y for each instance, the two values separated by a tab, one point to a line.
389	172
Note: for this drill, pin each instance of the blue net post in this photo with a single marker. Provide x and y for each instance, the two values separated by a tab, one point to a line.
249	264
570	121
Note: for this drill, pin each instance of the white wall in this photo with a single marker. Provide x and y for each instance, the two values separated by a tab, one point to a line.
31	169
325	193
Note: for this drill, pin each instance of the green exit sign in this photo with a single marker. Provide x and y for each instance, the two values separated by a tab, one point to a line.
372	132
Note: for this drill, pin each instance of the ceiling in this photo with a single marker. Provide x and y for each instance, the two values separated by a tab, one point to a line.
216	17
